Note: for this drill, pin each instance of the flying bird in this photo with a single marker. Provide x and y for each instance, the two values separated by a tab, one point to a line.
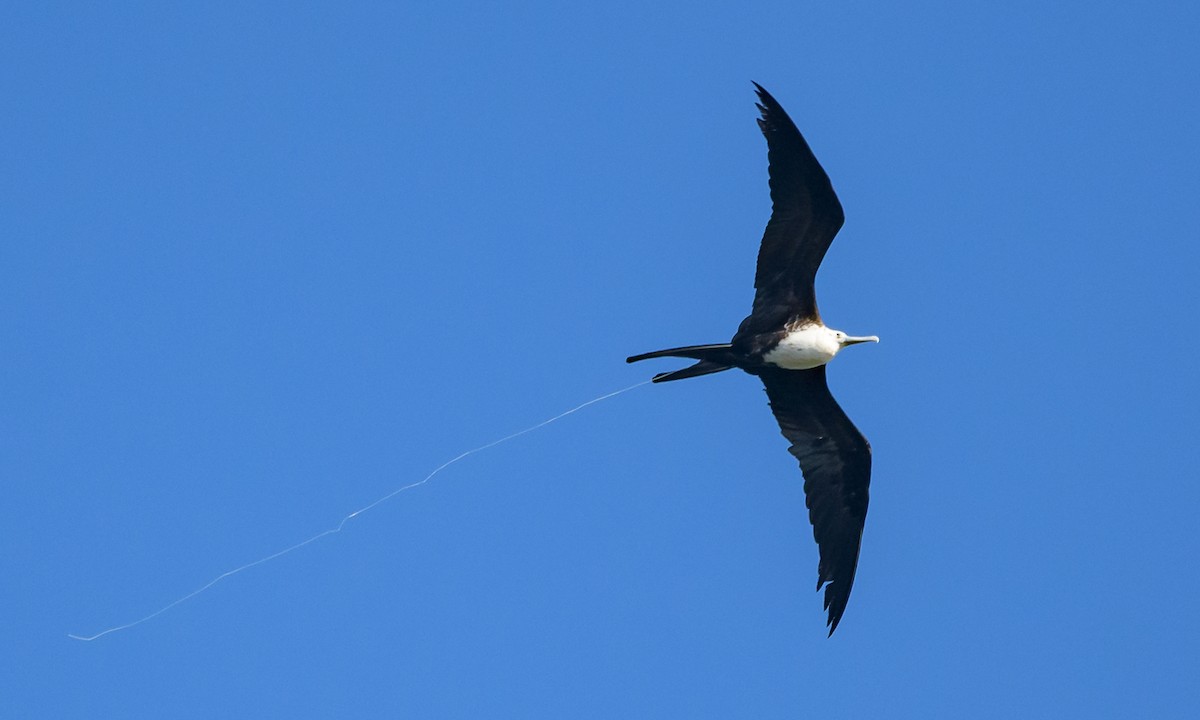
785	343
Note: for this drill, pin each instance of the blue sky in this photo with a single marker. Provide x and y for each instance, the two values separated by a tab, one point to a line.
262	265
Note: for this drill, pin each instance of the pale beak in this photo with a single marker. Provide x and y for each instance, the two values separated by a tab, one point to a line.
850	340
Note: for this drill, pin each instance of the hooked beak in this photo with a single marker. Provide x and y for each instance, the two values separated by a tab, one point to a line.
851	340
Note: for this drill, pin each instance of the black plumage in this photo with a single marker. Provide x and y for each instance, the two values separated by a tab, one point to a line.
835	459
805	216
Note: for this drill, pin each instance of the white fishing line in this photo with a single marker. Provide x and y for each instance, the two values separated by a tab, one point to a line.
356	513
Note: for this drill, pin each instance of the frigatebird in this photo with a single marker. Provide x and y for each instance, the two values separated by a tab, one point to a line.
785	343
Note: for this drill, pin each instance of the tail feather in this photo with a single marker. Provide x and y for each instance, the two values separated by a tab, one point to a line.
704	367
695	352
712	359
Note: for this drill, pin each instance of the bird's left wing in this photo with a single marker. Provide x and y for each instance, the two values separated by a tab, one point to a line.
805	216
835	459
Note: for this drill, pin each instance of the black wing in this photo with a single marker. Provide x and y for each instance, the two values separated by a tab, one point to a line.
836	461
805	216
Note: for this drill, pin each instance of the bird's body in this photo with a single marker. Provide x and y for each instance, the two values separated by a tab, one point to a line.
806	347
786	345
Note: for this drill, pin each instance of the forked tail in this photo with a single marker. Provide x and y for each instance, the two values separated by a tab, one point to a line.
712	359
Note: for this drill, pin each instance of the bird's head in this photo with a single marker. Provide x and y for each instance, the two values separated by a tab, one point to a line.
844	340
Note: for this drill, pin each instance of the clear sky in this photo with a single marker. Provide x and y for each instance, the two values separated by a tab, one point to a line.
261	265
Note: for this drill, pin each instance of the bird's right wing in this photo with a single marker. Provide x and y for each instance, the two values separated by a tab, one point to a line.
805	216
835	459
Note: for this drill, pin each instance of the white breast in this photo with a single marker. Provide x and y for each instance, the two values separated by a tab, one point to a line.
805	348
